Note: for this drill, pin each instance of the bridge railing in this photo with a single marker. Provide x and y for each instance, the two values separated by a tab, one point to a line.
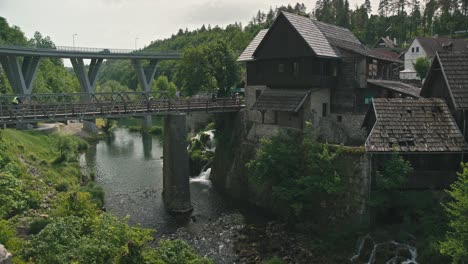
55	107
88	50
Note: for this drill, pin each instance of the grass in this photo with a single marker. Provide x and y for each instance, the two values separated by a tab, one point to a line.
39	151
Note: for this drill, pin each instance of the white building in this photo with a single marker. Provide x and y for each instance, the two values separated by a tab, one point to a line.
427	47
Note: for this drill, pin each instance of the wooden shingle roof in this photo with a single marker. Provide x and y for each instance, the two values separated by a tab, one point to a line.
280	100
455	68
341	37
314	37
397	86
412	125
247	55
324	39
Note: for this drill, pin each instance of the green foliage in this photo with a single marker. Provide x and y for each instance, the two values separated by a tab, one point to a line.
79	204
455	243
297	168
68	146
9	237
6	232
112	86
163	85
96	192
421	66
37	225
194	72
178	252
387	194
209	67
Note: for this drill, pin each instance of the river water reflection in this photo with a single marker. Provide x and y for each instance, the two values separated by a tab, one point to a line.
128	166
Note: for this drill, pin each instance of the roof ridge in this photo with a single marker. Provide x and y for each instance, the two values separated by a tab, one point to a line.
318	21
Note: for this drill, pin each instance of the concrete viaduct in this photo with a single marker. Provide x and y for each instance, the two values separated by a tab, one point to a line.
21	64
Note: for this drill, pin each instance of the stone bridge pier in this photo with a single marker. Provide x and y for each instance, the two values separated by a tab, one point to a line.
176	182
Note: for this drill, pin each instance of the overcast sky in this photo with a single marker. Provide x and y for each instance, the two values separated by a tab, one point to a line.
117	23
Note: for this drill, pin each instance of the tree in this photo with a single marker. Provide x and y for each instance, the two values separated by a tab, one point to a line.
194	72
112	86
421	66
224	66
162	84
455	244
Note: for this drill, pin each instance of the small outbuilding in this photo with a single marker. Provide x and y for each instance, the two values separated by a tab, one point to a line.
423	131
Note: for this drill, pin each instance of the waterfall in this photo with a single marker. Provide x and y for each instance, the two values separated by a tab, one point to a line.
203	178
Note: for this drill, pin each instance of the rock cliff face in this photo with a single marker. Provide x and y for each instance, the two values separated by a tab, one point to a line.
5	257
228	172
236	146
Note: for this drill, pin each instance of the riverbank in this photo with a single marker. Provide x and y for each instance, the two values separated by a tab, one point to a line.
50	212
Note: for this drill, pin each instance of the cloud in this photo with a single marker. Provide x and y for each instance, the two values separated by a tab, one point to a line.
217	12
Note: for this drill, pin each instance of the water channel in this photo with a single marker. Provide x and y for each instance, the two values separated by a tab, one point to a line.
128	166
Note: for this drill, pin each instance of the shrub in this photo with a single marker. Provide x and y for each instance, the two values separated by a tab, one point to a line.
297	168
37	225
421	66
178	252
387	197
455	243
96	192
61	187
13	197
77	204
70	240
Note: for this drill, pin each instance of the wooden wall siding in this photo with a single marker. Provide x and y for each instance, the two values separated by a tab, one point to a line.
436	86
343	98
430	171
283	41
310	73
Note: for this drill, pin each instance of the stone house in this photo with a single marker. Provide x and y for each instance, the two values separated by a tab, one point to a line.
427	47
302	70
423	131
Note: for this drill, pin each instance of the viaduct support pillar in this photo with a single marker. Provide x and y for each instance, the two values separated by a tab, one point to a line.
87	79
176	192
147	123
21	77
145	75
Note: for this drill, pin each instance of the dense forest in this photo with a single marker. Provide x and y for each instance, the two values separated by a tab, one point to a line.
210	52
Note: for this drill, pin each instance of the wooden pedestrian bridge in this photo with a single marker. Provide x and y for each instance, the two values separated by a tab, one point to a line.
88	106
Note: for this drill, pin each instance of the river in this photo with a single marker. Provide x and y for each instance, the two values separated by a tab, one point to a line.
128	166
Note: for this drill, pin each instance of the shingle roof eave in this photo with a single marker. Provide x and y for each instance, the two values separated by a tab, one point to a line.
414	126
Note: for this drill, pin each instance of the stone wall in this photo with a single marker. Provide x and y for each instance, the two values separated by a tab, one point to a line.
343	129
5	256
237	146
352	203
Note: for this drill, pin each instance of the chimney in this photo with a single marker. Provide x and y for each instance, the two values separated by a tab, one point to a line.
394	41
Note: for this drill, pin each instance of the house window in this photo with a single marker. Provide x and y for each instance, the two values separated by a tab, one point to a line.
412	49
417	49
296	68
324	109
281	67
339	118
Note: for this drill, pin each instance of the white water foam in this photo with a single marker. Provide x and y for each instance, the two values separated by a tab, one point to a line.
204	177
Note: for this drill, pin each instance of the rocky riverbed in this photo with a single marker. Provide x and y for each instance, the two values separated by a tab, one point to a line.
228	239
